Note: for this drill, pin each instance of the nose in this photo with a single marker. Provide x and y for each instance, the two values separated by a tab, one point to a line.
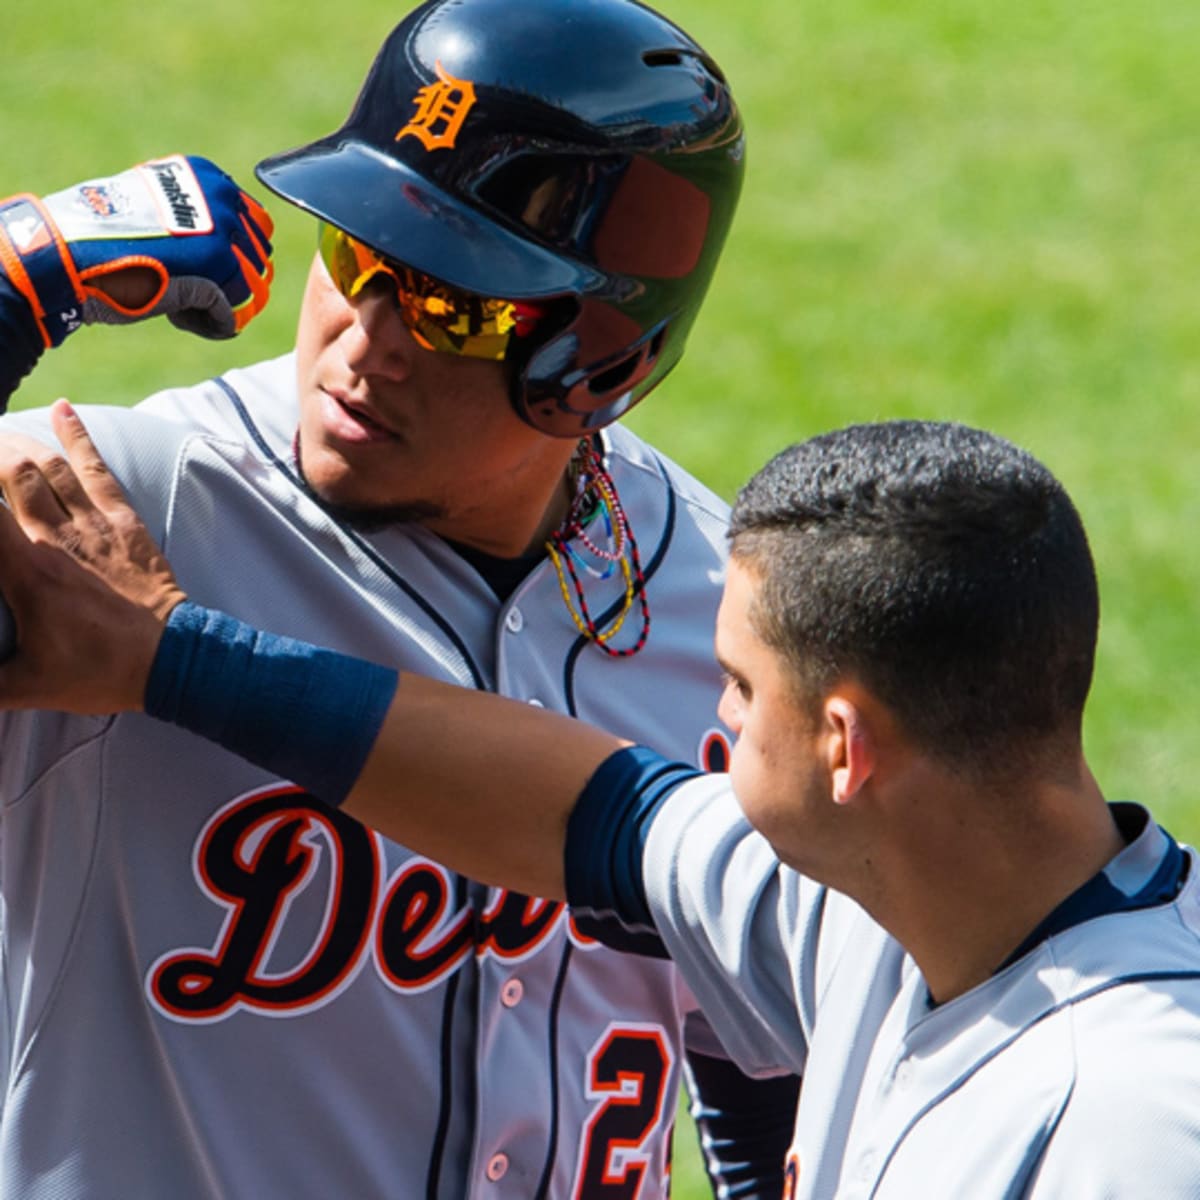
728	708
377	341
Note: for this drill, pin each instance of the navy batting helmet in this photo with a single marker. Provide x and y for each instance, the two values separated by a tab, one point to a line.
584	153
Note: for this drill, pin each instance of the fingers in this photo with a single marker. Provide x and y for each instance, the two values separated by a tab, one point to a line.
259	258
260	290
81	646
13	543
75	504
53	496
251	248
87	480
261	218
23	480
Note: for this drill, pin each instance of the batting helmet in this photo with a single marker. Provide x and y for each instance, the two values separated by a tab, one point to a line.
585	153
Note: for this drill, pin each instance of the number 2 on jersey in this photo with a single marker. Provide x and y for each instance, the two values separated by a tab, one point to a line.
628	1073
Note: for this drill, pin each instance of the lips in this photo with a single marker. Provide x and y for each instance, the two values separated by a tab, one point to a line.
351	422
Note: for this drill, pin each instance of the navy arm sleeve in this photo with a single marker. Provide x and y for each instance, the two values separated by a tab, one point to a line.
20	342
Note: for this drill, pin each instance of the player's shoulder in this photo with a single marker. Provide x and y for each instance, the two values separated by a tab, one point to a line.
262	396
1135	1015
1137	996
629	454
258	399
1132	1123
122	435
144	444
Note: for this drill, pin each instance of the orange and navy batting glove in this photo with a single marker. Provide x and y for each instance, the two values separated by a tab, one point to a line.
207	242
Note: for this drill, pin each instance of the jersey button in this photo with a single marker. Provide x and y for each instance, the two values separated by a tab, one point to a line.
515	620
904	1075
497	1167
511	993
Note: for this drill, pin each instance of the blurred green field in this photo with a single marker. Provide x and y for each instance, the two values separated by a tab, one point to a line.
953	209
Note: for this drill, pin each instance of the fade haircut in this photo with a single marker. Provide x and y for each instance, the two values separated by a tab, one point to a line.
943	567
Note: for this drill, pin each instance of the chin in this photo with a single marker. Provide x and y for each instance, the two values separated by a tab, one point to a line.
334	490
368	518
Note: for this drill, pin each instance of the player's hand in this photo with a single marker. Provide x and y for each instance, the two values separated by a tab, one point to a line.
173	236
88	587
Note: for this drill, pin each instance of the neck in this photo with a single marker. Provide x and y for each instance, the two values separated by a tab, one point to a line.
975	871
518	516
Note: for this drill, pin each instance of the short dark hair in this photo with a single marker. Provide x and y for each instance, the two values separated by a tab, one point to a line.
942	566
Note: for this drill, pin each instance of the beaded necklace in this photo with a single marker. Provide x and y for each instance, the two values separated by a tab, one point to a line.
596	501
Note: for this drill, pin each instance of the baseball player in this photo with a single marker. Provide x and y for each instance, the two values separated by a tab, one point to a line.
918	896
213	985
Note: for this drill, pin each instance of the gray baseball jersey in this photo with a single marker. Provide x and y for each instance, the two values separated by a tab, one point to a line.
214	987
1072	1073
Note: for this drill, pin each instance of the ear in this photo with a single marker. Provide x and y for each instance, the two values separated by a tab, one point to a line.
849	748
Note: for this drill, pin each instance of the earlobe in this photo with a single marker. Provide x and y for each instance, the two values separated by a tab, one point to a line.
849	745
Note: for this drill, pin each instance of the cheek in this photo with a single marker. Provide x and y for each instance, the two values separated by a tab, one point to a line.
480	388
324	314
746	766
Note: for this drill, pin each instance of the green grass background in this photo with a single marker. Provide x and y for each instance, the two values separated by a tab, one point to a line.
953	209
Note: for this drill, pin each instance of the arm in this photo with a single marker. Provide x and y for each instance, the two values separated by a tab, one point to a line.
362	737
491	787
175	236
85	646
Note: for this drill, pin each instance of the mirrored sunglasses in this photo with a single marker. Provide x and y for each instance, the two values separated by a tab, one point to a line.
440	317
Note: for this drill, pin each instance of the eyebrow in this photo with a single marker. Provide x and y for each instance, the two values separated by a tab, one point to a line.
727	668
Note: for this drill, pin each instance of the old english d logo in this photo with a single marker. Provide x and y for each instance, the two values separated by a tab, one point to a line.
441	110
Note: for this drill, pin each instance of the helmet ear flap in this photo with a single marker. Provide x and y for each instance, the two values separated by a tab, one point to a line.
559	398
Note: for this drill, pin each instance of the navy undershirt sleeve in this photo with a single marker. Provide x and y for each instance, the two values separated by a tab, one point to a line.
606	835
307	714
745	1126
20	342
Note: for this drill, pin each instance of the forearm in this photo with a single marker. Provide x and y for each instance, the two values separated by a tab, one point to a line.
482	784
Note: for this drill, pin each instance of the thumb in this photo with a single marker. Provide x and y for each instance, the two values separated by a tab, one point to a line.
197	305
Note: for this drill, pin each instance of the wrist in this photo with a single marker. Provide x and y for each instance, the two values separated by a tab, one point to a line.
39	266
20	338
307	714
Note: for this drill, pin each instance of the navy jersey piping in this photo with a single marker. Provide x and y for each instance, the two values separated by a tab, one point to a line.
450	632
437	1152
560	983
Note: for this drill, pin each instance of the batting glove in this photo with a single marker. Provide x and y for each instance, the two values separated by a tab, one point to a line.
207	242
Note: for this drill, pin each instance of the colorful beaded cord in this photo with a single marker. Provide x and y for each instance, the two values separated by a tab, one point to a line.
596	504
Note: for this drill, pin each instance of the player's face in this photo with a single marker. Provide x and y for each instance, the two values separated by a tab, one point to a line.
392	431
776	768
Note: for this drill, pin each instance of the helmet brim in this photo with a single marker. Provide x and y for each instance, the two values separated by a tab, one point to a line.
398	213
